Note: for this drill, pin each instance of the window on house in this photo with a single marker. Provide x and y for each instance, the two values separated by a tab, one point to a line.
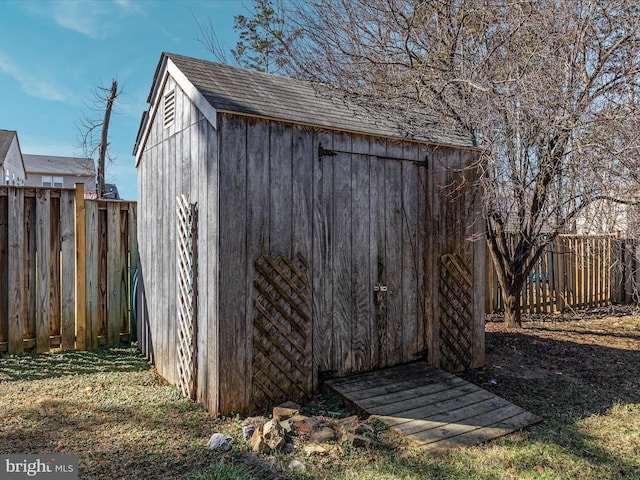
169	108
56	182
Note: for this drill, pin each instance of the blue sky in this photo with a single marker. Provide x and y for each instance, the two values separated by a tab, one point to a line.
53	54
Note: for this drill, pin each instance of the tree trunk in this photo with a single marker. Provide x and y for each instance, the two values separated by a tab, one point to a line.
512	309
113	93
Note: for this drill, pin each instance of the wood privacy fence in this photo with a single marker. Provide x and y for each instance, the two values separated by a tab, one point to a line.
66	266
576	271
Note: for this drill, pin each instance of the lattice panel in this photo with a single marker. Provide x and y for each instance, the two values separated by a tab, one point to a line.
456	313
281	332
186	235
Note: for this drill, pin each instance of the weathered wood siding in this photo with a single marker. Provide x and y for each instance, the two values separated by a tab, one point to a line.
457	229
370	223
178	160
377	214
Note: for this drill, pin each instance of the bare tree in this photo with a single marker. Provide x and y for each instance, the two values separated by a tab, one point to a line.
93	143
546	90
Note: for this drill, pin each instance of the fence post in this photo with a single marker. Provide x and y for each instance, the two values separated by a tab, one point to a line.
81	292
16	274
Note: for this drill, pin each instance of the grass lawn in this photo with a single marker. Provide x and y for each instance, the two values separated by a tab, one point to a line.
110	408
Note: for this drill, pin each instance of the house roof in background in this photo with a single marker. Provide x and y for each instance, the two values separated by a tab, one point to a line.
6	138
248	92
52	165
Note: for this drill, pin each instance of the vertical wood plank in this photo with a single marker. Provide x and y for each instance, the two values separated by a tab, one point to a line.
16	273
423	233
123	275
394	253
258	208
280	187
233	338
134	254
162	322
169	248
341	242
68	270
209	152
302	220
433	254
43	276
55	286
202	170
81	265
322	261
91	277
30	225
103	287
113	274
378	259
4	265
362	287
411	260
559	278
479	263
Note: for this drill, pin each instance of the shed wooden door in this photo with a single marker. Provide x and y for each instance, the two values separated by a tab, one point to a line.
368	303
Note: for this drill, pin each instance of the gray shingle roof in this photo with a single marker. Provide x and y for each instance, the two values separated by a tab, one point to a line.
6	137
249	92
52	165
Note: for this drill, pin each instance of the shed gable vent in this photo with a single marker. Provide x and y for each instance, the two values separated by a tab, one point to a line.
169	108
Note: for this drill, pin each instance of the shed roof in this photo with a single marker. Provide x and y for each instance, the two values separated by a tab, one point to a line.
253	93
6	138
53	165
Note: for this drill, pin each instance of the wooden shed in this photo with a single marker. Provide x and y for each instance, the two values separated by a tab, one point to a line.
289	234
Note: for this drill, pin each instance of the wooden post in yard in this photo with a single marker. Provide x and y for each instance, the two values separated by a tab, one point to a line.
81	289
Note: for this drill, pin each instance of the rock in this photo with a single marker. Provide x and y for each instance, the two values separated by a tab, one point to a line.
322	434
290	404
284	413
257	442
316	449
296	466
288	447
348	425
297	418
247	431
273	434
253	421
367	429
286	425
303	425
219	441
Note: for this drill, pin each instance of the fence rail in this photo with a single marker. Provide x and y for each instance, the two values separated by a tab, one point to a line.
576	271
65	269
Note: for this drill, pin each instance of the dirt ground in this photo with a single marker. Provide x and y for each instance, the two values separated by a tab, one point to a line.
560	366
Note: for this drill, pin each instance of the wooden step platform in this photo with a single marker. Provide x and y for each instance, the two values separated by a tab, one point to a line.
432	408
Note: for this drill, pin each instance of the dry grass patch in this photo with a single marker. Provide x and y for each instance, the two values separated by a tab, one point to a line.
581	374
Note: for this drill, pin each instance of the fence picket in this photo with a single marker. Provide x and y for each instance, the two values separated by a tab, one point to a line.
43	275
576	271
46	285
16	275
68	272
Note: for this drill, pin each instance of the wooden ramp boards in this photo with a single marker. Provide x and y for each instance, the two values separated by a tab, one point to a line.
432	408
